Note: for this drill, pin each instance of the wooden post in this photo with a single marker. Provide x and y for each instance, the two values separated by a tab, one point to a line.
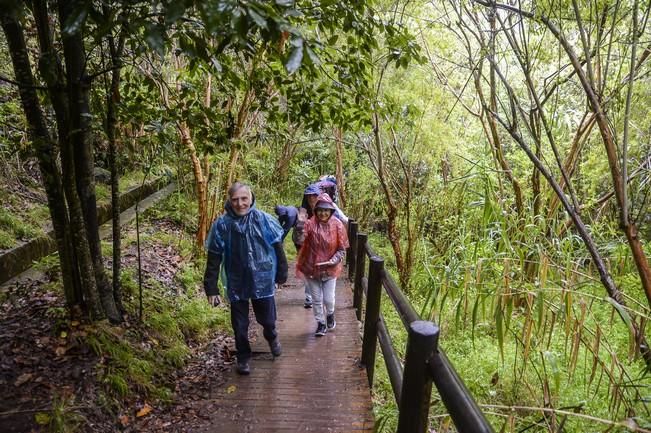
352	239
374	295
417	382
350	227
360	264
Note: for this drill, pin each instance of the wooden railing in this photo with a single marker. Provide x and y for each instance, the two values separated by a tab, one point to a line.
425	362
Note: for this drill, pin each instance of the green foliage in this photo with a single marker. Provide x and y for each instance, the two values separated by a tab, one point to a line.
63	418
128	282
139	360
179	208
190	277
7	240
102	192
176	355
11	227
196	319
117	384
48	264
12	126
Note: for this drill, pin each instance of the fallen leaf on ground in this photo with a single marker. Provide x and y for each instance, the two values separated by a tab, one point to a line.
25	377
231	389
144	411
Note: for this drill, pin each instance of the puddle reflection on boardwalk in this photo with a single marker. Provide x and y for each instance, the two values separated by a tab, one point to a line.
315	386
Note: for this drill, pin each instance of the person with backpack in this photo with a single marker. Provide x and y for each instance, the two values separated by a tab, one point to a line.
287	216
320	260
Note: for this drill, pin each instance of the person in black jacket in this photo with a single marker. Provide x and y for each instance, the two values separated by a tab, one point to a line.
248	242
287	216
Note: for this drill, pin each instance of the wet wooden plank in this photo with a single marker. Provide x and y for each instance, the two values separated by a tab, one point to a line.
315	386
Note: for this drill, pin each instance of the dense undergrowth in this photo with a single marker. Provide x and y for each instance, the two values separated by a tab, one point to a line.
541	352
175	317
166	324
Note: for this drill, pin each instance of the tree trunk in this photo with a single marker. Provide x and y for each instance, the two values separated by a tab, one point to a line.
45	152
339	170
200	181
78	85
392	211
238	131
112	101
580	138
497	144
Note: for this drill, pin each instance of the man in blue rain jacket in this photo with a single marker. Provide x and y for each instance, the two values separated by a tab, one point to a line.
248	242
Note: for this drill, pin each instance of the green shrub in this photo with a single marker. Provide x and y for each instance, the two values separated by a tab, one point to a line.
7	240
176	354
117	384
63	418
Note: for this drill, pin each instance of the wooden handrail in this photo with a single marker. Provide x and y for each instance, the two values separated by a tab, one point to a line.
391	359
425	363
400	302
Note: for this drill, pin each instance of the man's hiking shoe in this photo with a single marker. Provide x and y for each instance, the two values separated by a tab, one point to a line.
320	329
274	345
331	322
307	303
243	368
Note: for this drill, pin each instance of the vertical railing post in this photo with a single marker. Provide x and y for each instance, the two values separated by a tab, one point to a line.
360	263
348	256
417	382
352	240
373	297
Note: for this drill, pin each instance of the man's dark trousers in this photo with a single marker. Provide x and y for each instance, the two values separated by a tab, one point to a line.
265	315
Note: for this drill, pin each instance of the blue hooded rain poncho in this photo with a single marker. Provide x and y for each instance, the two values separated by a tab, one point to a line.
246	244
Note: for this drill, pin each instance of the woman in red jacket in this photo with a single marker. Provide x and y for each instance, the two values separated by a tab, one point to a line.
320	260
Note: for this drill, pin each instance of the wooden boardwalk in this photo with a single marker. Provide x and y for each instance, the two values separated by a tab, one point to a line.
315	386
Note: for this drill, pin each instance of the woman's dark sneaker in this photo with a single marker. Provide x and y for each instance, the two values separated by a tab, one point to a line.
320	329
330	320
307	303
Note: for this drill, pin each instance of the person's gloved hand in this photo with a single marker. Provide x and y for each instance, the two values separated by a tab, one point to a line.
281	277
215	300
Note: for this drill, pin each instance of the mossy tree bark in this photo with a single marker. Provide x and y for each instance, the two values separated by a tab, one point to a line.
112	100
78	86
70	188
45	148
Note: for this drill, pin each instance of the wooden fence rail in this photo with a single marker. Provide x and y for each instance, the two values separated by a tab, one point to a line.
425	363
